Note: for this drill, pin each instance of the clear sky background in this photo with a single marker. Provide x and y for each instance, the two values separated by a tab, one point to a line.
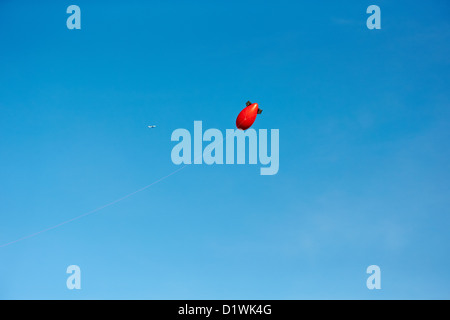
364	149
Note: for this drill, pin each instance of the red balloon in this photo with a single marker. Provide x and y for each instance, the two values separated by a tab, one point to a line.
247	116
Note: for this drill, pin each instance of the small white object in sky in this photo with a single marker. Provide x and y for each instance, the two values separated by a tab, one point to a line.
152	127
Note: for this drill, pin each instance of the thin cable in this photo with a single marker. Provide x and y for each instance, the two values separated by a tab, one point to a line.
93	211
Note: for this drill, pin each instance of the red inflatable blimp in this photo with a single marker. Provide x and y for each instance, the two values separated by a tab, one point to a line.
247	116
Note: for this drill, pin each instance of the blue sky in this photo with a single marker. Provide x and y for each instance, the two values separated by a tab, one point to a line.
364	159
